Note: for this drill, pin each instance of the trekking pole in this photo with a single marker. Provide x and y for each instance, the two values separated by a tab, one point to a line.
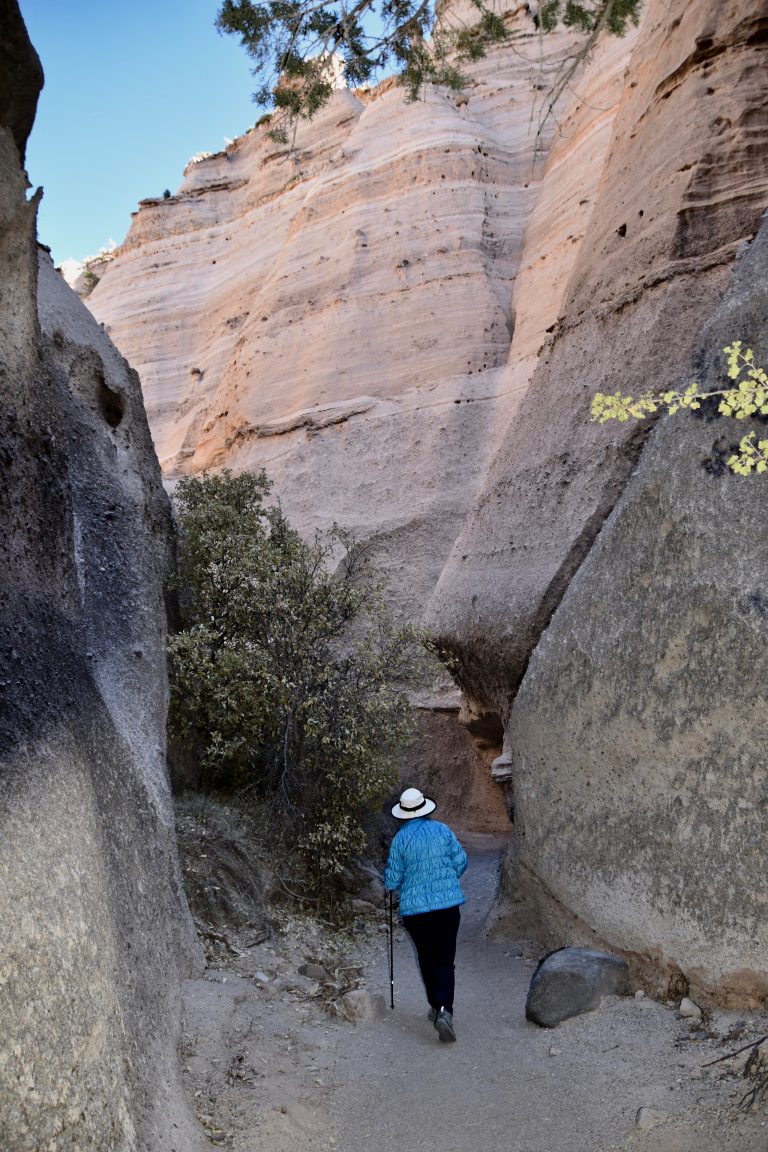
391	956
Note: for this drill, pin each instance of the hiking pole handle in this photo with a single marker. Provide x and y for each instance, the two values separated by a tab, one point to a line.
391	955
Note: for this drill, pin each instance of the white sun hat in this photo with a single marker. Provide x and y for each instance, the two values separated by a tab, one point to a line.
412	804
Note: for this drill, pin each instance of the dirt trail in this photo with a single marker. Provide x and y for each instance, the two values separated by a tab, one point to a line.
270	1071
507	1084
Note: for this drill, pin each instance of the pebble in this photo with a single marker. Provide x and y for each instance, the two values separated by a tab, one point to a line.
313	971
647	1118
689	1010
555	1051
639	995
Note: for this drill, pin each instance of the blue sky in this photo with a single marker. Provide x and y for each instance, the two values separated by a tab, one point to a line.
132	91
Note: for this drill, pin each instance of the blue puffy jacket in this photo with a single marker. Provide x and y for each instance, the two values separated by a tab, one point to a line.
425	862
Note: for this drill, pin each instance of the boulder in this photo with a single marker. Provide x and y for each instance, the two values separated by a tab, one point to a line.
571	981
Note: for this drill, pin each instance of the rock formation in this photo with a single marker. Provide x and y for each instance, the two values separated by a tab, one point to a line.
342	313
628	744
405	320
637	740
94	933
683	186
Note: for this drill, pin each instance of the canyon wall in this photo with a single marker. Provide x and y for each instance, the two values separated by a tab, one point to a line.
637	739
342	313
94	932
405	319
682	188
633	745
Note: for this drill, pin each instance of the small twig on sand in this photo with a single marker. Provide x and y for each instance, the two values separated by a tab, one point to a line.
728	1055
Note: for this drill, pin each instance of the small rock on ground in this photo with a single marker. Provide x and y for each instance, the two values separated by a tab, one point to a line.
648	1118
689	1010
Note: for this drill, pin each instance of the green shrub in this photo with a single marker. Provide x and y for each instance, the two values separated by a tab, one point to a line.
288	678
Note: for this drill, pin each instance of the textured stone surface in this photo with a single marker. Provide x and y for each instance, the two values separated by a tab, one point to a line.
648	1118
21	76
94	933
342	315
320	313
571	981
683	185
638	736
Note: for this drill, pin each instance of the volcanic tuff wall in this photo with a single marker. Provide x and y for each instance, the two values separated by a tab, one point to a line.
637	741
94	932
342	313
683	185
363	316
636	744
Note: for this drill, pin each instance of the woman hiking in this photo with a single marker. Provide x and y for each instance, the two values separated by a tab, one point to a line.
425	863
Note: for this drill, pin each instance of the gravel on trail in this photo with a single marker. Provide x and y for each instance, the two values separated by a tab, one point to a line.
509	1085
269	1070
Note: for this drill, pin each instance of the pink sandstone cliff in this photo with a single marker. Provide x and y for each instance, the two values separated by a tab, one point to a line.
342	314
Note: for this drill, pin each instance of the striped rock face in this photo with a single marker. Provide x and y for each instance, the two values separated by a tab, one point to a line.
353	314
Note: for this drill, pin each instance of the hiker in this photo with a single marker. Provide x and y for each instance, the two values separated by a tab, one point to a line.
425	862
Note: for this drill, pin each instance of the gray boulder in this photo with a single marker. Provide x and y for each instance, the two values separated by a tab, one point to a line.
572	981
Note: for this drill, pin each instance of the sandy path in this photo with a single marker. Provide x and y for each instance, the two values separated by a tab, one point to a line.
269	1071
507	1084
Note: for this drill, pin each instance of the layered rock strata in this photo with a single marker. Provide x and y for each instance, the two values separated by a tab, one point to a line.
341	313
94	933
682	188
637	739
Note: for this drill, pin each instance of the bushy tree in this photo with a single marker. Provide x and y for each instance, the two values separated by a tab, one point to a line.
287	676
292	42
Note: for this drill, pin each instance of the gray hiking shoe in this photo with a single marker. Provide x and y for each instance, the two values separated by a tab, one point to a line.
444	1025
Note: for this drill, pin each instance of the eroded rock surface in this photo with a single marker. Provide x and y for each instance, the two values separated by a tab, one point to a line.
342	314
683	186
638	737
94	933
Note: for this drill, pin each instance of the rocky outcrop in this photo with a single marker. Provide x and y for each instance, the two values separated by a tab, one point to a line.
94	933
638	737
683	186
342	314
571	981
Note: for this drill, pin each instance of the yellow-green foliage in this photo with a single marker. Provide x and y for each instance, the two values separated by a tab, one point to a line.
748	398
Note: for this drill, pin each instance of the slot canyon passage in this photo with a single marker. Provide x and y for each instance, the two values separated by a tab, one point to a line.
403	317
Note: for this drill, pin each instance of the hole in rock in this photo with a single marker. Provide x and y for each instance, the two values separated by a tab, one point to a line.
111	403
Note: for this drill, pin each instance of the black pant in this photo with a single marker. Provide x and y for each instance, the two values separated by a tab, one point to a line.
434	935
